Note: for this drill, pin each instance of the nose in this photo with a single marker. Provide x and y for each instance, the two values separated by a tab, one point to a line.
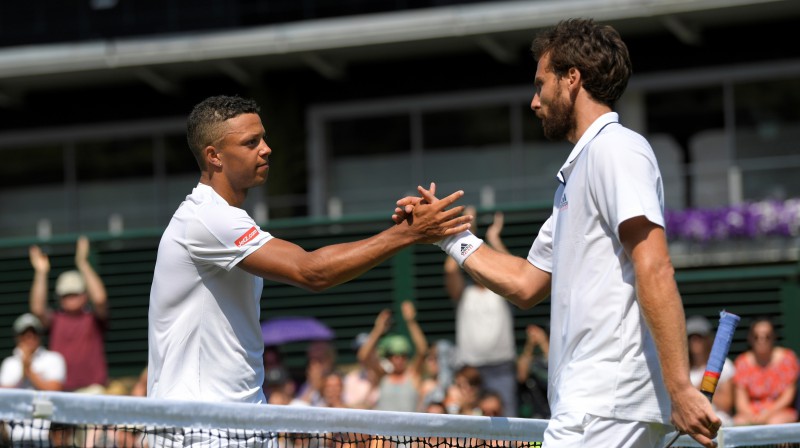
264	150
536	102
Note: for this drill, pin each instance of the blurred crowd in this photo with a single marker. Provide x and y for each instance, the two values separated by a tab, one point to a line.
480	372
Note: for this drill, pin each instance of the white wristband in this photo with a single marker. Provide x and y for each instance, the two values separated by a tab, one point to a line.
460	246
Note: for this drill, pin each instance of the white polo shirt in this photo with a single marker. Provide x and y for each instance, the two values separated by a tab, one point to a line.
602	356
484	328
204	334
48	365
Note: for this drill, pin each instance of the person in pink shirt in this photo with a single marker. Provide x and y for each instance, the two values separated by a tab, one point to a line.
77	328
765	379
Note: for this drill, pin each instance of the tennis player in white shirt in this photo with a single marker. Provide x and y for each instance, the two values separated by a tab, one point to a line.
204	334
618	367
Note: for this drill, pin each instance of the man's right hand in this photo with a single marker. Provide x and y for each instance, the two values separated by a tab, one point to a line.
431	220
692	414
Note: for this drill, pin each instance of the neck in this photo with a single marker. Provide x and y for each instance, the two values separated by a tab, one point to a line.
763	359
587	111
217	182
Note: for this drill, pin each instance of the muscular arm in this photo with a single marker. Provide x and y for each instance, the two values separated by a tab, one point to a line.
662	308
510	276
282	261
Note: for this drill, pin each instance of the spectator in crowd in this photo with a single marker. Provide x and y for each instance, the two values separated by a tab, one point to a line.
32	366
701	338
139	388
332	391
272	356
320	362
765	379
437	373
77	328
463	395
491	404
279	386
532	374
484	323
436	407
399	383
360	385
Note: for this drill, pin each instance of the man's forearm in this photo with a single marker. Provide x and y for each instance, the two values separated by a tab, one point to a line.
662	309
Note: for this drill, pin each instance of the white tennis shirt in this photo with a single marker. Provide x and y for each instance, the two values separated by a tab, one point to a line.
204	334
602	356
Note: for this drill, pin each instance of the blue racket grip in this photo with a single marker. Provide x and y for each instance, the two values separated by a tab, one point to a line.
719	351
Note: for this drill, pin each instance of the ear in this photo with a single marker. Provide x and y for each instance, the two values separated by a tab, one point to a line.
212	157
574	78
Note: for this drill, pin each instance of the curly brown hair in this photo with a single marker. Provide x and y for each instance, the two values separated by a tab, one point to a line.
597	51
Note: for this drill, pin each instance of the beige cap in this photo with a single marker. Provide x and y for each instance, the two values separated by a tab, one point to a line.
27	321
70	282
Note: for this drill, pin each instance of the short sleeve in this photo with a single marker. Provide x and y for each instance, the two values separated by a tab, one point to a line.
625	179
7	378
57	368
223	236
541	253
790	367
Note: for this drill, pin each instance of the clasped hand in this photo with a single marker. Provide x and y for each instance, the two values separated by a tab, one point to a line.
430	216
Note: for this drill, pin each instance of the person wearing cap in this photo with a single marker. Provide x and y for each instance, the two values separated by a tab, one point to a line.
31	366
77	328
701	338
399	381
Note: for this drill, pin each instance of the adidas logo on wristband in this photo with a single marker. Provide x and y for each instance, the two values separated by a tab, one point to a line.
460	246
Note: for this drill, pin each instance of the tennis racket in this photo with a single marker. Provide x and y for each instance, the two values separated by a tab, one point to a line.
719	351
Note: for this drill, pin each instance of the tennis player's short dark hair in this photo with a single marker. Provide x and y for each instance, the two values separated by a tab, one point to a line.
203	126
597	51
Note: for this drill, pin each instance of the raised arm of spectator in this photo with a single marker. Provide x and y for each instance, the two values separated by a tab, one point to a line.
94	285
367	353
417	336
536	337
38	296
493	233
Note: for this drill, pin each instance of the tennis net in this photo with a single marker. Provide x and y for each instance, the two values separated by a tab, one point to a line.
37	419
41	419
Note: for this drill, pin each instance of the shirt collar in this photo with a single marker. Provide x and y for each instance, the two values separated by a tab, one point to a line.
591	133
18	353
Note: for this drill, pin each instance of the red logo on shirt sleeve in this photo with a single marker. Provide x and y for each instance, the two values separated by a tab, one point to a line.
246	236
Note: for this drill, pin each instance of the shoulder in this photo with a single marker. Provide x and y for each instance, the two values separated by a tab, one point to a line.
743	360
51	356
618	141
785	355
